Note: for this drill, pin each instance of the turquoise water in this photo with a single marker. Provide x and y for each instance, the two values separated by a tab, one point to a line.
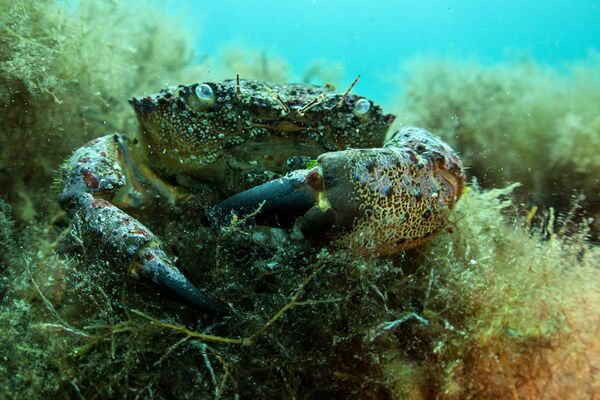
373	38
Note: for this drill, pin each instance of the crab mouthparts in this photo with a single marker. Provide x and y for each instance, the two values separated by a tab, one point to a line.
281	126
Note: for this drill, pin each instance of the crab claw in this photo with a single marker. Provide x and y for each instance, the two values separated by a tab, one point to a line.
274	203
154	265
381	200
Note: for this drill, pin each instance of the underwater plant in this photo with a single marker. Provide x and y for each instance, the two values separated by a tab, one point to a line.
514	122
485	309
65	76
252	64
498	304
249	63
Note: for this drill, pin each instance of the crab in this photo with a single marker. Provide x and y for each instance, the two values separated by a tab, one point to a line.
297	156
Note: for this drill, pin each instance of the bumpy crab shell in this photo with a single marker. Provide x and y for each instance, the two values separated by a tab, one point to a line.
202	127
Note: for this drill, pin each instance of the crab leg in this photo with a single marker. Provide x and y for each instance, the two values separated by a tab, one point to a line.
98	177
381	200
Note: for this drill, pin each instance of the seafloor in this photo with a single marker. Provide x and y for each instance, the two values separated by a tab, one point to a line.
503	303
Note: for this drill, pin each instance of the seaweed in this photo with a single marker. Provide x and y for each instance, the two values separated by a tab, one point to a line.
65	77
485	309
500	303
7	242
253	64
517	121
250	63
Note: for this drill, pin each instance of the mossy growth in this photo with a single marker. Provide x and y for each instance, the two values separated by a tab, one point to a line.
65	76
517	121
261	65
493	306
485	309
252	64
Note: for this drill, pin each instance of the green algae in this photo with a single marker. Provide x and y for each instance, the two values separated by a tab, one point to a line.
65	76
496	305
250	63
517	121
485	309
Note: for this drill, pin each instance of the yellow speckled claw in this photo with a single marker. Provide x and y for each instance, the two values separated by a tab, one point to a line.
390	199
381	200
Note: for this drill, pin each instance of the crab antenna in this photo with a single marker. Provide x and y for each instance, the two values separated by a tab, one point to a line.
282	103
339	104
277	97
238	88
317	100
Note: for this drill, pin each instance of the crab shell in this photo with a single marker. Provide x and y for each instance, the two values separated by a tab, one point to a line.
205	128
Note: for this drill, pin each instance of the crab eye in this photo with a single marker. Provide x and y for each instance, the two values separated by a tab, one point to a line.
361	107
205	93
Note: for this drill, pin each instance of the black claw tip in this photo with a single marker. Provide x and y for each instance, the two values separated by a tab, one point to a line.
171	280
282	201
